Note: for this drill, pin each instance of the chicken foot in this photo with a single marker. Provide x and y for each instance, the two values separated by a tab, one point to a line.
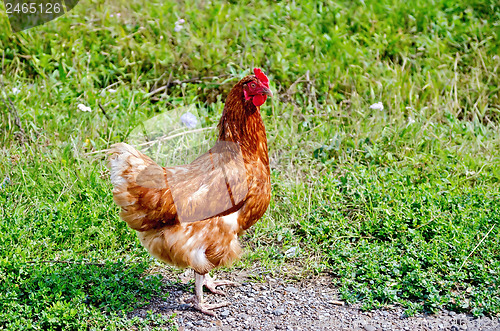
211	284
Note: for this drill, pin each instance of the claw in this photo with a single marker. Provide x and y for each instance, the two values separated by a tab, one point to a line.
211	284
206	308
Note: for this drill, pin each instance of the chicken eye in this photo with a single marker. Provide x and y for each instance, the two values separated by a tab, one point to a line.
253	85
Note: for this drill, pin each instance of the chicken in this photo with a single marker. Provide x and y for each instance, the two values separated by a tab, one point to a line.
191	215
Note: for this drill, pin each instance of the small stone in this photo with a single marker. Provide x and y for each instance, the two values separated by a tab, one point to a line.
292	251
279	311
370	328
225	313
336	302
291	289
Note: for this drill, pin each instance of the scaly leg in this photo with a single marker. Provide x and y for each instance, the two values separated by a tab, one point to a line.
197	300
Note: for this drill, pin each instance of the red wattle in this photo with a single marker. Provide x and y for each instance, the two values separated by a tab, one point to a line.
259	99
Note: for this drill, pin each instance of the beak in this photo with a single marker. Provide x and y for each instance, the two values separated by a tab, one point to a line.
267	92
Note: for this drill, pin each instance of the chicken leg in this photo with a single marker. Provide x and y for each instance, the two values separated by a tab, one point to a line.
211	284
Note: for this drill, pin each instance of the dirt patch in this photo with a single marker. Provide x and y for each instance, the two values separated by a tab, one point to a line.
309	304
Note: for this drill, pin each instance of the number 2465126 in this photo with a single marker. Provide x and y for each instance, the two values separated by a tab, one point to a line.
33	8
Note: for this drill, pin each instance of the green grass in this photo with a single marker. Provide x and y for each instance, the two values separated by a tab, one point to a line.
77	296
400	206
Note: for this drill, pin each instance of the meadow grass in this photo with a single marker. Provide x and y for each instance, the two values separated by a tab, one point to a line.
400	205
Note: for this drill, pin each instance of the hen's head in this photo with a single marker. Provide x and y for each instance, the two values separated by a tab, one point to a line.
256	87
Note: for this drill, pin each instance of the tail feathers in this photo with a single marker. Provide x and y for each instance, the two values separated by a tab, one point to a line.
126	165
140	188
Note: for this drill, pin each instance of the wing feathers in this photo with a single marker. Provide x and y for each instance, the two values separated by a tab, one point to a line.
215	184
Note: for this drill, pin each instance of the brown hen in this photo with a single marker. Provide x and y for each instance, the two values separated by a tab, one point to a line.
192	215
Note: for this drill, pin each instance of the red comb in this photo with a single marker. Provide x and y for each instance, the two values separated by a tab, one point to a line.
261	76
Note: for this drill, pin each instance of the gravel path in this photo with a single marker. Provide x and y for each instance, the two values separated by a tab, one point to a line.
310	304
